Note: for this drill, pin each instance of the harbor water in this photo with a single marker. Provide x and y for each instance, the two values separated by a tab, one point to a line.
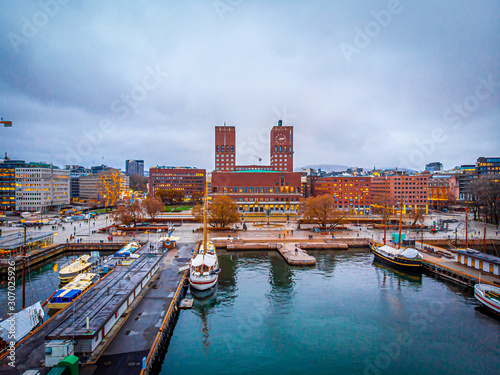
41	282
346	315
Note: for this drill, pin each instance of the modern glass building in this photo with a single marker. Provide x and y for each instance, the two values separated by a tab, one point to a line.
8	183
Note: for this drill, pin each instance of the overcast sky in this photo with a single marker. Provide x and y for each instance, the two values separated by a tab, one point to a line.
364	83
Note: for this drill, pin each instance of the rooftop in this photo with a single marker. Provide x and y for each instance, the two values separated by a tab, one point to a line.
479	255
16	240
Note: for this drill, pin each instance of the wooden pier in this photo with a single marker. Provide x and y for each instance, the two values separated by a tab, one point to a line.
450	269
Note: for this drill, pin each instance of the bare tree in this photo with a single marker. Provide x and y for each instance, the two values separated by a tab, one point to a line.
322	210
486	197
222	211
152	206
129	212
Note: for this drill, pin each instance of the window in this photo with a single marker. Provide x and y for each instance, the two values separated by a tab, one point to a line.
217	148
227	148
275	148
280	149
232	148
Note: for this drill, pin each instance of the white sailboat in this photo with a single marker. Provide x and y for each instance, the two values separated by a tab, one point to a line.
204	266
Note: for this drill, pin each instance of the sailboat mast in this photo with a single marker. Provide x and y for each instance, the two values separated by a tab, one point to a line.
466	226
484	236
205	209
385	211
400	212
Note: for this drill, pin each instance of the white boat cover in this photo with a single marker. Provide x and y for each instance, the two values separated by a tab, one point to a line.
209	260
25	320
389	249
411	253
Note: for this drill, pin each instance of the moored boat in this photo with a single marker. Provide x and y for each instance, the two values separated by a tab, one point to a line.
404	257
64	296
407	258
204	266
126	250
81	265
489	296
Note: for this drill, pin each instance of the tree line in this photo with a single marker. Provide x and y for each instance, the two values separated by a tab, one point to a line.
484	195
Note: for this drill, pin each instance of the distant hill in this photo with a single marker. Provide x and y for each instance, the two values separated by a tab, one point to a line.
325	167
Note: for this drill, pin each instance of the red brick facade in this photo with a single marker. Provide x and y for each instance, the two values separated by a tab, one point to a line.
414	191
259	189
282	148
187	180
225	148
281	141
351	194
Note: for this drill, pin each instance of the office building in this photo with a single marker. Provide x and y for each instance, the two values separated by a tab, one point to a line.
351	194
42	189
413	186
91	185
485	166
434	167
443	190
75	172
185	179
8	183
134	167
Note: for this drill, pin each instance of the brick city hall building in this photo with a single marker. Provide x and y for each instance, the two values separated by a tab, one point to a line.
257	188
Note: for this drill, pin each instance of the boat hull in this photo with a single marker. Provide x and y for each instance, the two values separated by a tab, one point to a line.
67	277
402	263
203	282
480	294
57	306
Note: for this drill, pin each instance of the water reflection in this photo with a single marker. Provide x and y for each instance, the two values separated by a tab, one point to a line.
400	276
204	301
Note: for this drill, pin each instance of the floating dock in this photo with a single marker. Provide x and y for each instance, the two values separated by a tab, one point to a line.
295	255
